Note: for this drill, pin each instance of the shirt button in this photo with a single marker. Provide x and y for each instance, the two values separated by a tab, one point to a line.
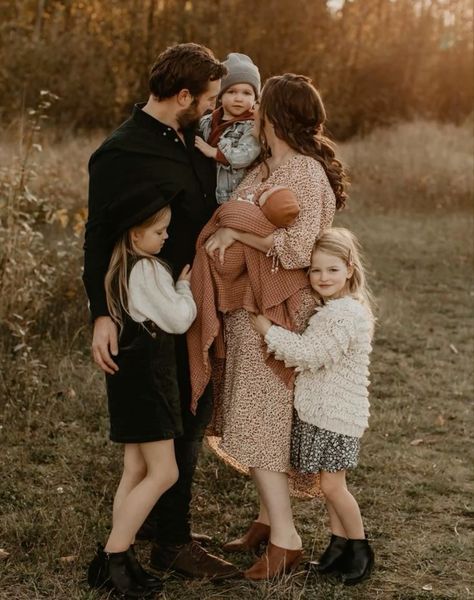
176	140
169	128
153	335
164	132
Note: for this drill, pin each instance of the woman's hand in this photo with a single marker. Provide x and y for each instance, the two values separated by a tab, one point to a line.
260	323
185	274
205	148
221	240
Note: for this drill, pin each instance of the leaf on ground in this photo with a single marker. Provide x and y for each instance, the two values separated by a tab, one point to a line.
453	348
68	559
427	588
4	554
71	393
440	420
417	442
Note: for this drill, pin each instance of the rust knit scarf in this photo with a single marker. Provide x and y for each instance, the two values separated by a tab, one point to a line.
218	125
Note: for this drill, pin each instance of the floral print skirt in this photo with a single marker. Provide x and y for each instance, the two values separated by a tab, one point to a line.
253	409
314	449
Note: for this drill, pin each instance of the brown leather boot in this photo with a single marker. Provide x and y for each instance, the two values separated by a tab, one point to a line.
274	562
191	560
258	533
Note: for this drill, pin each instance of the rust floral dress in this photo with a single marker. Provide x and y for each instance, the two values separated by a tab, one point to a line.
251	425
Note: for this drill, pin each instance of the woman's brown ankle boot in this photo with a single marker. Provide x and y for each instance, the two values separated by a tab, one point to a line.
258	533
274	562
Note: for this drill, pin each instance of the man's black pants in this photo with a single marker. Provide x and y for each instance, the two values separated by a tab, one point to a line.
170	518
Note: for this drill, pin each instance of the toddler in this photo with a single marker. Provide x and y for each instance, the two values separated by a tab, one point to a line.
227	133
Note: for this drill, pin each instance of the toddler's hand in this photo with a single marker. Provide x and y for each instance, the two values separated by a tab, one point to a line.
185	274
260	323
205	148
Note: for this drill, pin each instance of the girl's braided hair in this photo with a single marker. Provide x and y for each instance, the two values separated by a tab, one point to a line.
294	107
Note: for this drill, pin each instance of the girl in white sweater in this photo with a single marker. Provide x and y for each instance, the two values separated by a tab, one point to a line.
143	395
331	358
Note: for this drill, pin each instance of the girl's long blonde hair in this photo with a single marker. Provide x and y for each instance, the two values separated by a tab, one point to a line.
121	262
343	244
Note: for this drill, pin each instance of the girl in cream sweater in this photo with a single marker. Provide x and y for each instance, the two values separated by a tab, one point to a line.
331	358
143	393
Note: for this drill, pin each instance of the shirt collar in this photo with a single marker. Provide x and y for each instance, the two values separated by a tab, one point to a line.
149	122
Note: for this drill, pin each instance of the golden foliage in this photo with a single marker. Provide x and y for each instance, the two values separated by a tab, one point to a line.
376	61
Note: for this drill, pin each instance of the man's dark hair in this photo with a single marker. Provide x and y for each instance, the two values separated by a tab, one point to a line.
184	67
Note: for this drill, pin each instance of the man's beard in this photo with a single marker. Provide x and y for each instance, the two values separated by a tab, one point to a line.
188	117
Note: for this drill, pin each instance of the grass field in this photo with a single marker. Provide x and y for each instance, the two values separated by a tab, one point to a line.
414	482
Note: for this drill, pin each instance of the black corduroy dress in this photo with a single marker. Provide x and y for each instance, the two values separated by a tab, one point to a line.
143	396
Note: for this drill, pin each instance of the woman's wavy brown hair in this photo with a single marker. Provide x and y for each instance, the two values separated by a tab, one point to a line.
294	107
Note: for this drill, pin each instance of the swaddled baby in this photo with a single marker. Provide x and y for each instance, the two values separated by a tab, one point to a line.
247	279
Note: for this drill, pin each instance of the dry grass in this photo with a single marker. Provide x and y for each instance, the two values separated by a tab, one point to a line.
60	169
414	482
416	166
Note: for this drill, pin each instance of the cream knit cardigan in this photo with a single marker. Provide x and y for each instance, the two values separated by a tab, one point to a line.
331	358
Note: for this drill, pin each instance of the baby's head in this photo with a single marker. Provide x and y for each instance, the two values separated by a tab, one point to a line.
241	86
336	266
279	205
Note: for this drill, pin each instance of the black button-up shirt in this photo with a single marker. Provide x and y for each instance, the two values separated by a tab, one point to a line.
144	149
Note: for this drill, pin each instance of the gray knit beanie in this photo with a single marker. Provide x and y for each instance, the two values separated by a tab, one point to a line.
240	69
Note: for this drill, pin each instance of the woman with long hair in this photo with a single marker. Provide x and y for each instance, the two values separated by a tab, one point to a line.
253	404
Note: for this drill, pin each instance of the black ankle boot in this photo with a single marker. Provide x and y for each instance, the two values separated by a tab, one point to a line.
145	579
121	577
356	562
97	572
329	559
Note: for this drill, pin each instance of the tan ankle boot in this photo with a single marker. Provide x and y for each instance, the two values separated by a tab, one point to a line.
257	534
274	562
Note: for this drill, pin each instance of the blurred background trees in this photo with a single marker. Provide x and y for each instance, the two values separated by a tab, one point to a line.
375	61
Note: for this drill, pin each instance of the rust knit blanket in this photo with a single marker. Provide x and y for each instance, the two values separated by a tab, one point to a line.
245	280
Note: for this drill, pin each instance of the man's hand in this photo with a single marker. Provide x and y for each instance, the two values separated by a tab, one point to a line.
222	239
205	148
105	344
260	323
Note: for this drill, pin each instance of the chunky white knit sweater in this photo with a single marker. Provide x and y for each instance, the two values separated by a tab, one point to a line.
331	358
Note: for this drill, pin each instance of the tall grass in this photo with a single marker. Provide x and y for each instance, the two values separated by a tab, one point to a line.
59	472
421	166
39	258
